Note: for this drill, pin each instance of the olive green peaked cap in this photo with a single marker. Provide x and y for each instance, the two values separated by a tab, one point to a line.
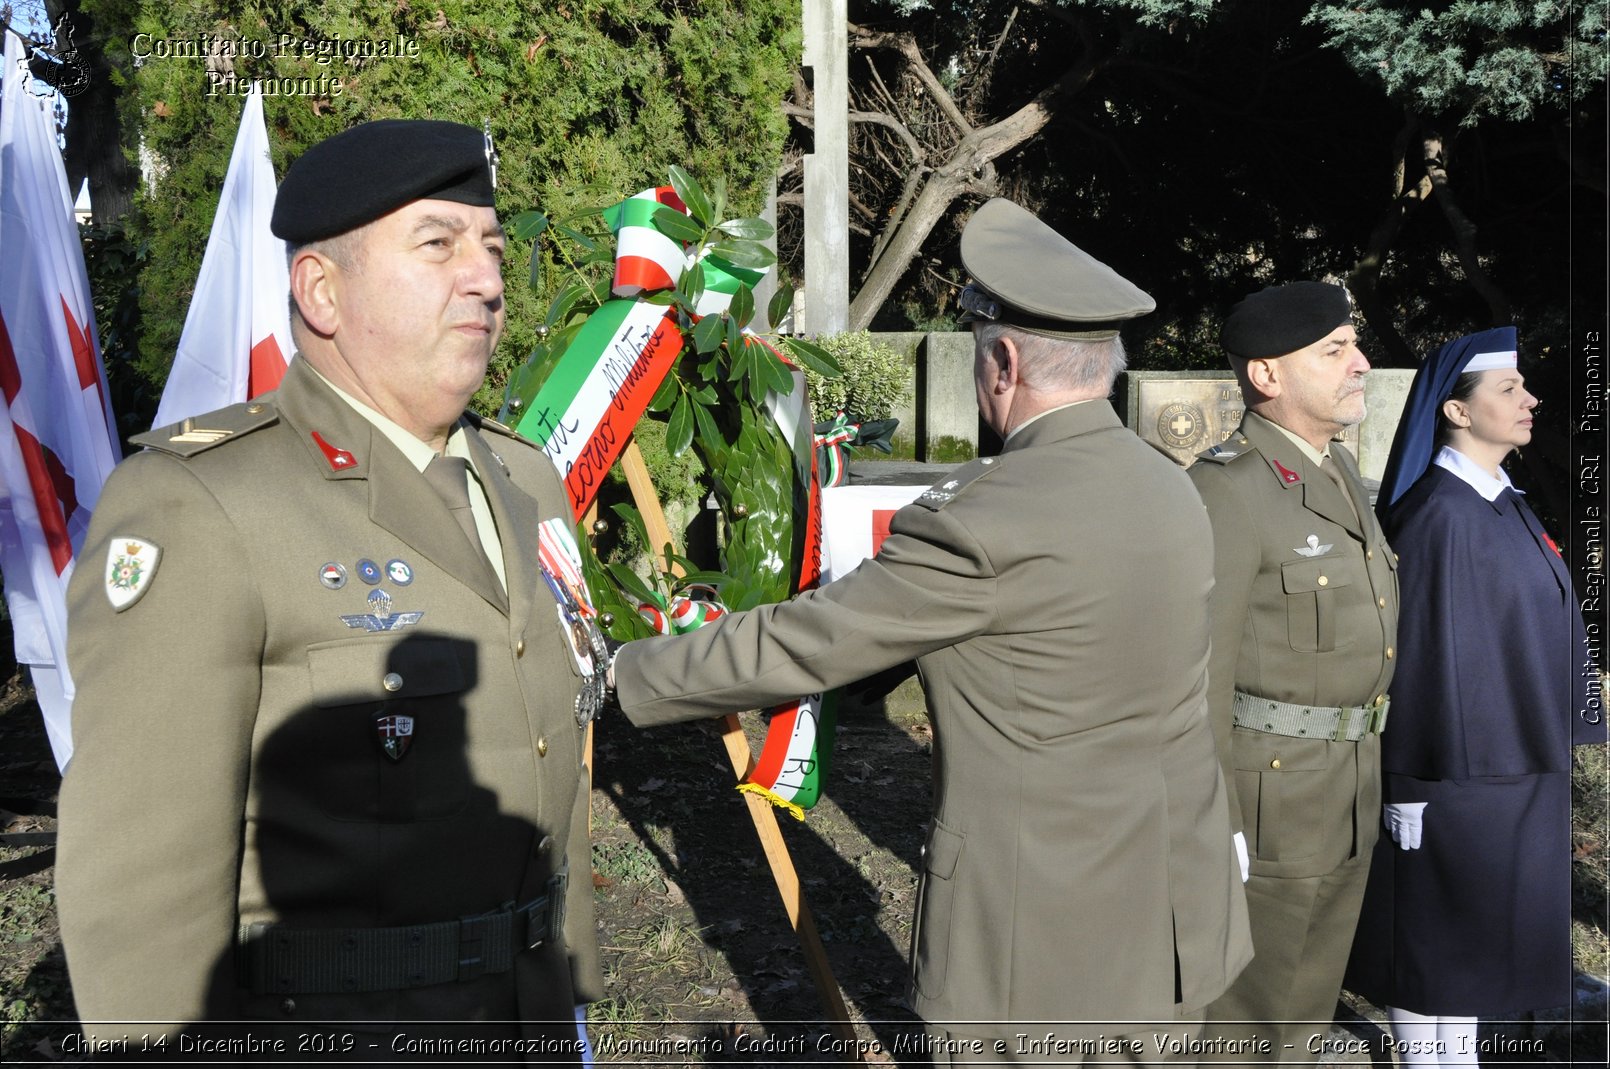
1028	276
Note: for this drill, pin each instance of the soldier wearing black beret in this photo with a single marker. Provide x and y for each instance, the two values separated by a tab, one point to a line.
1304	622
330	711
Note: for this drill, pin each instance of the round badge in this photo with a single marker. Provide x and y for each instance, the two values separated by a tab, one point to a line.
369	571
1181	425
333	576
399	572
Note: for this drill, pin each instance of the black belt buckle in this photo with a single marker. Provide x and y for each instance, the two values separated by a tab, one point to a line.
473	933
545	915
536	922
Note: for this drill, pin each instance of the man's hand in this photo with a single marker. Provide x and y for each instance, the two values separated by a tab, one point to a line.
1241	855
1403	822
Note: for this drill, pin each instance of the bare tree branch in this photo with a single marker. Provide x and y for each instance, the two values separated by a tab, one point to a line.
906	45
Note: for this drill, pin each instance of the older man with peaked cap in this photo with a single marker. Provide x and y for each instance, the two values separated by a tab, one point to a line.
1079	868
1305	608
329	716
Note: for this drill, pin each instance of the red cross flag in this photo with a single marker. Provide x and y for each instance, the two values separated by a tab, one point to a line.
237	334
58	440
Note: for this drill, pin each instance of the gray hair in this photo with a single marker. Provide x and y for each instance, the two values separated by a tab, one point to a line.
346	250
1058	364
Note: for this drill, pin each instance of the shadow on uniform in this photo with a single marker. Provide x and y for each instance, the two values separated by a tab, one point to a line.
380	788
674	788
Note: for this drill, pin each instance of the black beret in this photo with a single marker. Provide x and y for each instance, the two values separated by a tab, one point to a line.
1283	319
375	168
1030	277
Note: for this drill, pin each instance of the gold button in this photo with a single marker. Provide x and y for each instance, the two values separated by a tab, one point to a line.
1324	581
392	682
252	410
1397	558
1369	554
1389	653
519	645
542	746
1381	602
1275	763
1379	699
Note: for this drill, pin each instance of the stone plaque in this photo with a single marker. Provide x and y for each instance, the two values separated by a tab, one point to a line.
1185	412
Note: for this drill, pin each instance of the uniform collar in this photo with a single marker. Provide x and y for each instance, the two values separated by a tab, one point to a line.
418	453
1473	474
1307	447
1062	422
1032	419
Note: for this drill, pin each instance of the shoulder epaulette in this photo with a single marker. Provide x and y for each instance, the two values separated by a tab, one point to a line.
487	423
956	483
198	434
1226	451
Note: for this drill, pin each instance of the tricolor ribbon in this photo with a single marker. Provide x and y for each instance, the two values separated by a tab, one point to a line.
602	385
590	404
794	759
647	260
833	440
684	612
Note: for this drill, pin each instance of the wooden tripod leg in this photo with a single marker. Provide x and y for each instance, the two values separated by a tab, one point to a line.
587	743
764	816
760	810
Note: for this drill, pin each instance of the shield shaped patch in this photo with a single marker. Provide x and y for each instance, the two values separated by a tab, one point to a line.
131	564
395	733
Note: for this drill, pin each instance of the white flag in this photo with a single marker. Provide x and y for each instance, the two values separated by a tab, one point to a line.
237	334
58	439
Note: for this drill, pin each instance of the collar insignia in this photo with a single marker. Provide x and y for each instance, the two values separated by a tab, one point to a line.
340	459
1287	474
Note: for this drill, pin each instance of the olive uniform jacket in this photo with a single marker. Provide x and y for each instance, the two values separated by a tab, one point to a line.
1304	611
231	730
1079	866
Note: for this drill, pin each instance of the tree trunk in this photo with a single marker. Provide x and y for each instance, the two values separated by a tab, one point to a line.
1364	279
95	142
1464	234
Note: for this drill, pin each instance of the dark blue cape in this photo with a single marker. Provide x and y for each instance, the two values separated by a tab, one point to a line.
1494	676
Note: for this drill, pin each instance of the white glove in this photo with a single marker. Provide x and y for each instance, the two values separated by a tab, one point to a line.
1403	822
1241	855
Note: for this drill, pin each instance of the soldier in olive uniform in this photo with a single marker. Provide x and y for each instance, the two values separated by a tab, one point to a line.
1079	869
1304	619
328	733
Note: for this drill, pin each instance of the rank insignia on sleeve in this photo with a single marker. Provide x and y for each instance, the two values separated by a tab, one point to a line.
395	733
131	564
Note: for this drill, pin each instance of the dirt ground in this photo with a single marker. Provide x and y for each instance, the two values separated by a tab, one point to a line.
701	964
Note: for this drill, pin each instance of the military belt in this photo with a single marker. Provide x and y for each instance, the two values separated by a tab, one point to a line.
280	960
1346	723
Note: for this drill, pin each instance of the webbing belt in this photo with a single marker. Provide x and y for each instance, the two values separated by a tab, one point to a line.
1348	723
281	960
